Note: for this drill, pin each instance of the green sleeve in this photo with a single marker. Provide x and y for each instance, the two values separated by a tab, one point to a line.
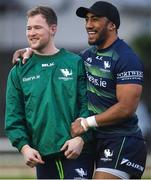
82	91
15	124
82	99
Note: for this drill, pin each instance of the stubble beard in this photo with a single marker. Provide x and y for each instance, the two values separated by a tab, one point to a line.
102	37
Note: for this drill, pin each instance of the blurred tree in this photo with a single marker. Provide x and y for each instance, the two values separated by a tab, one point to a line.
142	46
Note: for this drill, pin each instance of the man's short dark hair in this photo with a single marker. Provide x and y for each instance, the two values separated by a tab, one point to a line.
47	12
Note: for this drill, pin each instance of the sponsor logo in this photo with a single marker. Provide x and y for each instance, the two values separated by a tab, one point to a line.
66	74
97	81
108	154
26	79
130	75
81	172
48	65
131	164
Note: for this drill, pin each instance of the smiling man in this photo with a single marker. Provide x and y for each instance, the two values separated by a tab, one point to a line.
43	98
114	87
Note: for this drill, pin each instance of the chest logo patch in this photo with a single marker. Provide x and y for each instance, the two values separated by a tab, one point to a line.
107	64
66	72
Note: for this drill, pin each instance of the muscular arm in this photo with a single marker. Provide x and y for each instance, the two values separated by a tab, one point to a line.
128	96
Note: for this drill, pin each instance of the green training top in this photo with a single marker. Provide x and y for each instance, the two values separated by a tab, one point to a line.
44	96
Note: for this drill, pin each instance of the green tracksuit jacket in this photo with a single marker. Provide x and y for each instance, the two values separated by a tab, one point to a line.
43	98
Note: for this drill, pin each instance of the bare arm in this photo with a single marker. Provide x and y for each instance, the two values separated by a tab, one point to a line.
128	96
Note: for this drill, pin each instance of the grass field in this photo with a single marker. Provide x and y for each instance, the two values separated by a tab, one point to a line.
12	167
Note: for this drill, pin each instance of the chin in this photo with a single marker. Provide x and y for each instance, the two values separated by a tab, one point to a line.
91	42
34	47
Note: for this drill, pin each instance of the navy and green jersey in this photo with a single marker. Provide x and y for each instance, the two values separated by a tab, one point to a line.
106	68
44	96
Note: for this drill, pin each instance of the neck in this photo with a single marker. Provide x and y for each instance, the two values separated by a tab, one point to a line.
108	42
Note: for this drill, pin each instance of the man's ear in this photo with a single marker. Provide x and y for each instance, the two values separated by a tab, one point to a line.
54	28
112	26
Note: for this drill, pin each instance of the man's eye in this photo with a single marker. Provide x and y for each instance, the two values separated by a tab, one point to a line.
38	27
95	19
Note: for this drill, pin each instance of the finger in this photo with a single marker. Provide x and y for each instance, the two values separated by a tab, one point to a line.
73	134
15	61
27	53
40	159
25	59
65	146
34	160
72	156
15	58
67	152
30	164
17	54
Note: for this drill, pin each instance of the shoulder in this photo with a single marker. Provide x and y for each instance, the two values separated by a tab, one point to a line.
70	54
13	71
19	68
126	54
87	51
13	75
71	58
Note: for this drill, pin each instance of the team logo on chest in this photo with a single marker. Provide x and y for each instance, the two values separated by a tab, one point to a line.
107	64
67	74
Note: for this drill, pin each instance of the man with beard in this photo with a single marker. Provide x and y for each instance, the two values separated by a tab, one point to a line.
44	96
114	86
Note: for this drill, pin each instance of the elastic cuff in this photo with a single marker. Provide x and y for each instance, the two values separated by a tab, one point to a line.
21	144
